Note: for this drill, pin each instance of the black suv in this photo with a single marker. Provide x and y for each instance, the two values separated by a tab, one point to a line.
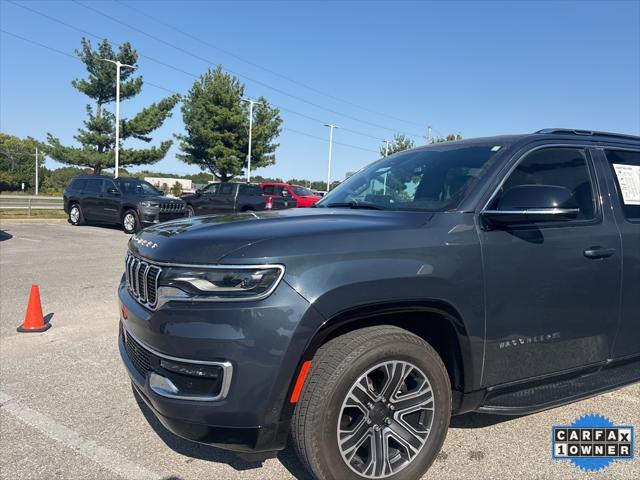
492	275
124	201
233	198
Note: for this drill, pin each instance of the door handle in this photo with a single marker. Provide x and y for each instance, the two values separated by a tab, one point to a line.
597	252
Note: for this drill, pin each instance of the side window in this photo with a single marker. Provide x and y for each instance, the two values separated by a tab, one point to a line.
93	186
560	167
268	189
626	170
210	189
225	189
108	185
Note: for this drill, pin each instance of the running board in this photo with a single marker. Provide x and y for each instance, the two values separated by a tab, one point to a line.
534	398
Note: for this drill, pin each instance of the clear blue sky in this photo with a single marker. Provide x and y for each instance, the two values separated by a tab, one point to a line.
478	68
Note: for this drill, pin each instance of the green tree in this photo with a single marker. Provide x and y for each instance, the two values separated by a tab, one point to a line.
399	143
55	181
217	127
176	190
17	162
449	138
98	135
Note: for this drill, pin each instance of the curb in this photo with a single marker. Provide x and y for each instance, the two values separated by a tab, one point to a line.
5	221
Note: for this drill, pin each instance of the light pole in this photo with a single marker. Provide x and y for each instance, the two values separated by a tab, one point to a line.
386	148
429	135
118	65
331	127
37	171
251	104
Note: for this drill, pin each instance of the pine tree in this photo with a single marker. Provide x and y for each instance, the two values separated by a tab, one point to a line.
217	127
98	135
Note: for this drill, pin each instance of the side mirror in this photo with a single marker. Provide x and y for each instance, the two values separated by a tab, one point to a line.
113	191
532	204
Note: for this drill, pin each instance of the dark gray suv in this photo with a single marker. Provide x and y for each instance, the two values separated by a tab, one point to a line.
126	201
492	275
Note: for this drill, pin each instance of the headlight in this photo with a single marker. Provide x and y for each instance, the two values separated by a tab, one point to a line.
219	283
149	203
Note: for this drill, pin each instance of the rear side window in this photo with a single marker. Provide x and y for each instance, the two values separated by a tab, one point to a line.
626	170
561	167
251	190
77	184
93	186
269	189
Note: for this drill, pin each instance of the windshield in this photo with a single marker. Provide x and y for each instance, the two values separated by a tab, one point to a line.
302	191
433	179
137	187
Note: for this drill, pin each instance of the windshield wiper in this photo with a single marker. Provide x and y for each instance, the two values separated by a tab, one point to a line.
365	205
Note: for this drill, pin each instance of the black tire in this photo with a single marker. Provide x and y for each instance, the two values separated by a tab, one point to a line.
75	215
190	211
334	370
130	222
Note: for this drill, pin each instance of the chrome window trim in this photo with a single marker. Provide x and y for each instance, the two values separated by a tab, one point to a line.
227	372
531	211
590	164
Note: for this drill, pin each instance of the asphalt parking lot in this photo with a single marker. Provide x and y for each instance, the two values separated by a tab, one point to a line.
67	410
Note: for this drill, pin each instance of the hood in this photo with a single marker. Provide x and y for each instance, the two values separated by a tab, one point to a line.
155	198
207	239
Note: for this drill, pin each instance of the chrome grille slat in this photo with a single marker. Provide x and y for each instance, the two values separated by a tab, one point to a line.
136	278
145	281
142	280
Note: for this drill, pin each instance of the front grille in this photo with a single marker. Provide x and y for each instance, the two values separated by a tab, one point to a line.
171	207
140	357
142	280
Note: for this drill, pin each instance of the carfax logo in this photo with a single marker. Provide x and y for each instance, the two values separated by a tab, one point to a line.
592	442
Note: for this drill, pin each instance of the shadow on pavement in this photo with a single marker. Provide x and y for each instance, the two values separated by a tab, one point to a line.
479	420
287	457
290	461
5	235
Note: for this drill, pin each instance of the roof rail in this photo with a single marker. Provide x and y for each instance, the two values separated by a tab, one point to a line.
587	133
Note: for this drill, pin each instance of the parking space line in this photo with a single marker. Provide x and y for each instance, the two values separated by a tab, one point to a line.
105	457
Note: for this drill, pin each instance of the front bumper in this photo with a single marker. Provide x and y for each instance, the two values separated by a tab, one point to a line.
151	216
261	341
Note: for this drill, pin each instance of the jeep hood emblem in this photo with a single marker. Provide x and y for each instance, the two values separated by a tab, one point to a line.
143	242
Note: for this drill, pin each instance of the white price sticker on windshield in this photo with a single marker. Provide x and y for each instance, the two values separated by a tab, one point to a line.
629	180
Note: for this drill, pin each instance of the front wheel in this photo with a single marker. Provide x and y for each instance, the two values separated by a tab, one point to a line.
190	211
75	215
130	222
376	404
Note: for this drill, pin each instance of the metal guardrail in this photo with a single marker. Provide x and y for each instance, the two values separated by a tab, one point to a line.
29	202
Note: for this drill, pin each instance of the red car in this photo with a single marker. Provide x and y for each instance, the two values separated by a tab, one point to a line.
303	195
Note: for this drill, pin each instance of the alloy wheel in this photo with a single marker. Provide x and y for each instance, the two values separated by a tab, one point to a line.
74	214
129	222
385	419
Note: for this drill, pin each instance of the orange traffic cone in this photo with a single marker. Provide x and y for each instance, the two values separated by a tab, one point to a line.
33	320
